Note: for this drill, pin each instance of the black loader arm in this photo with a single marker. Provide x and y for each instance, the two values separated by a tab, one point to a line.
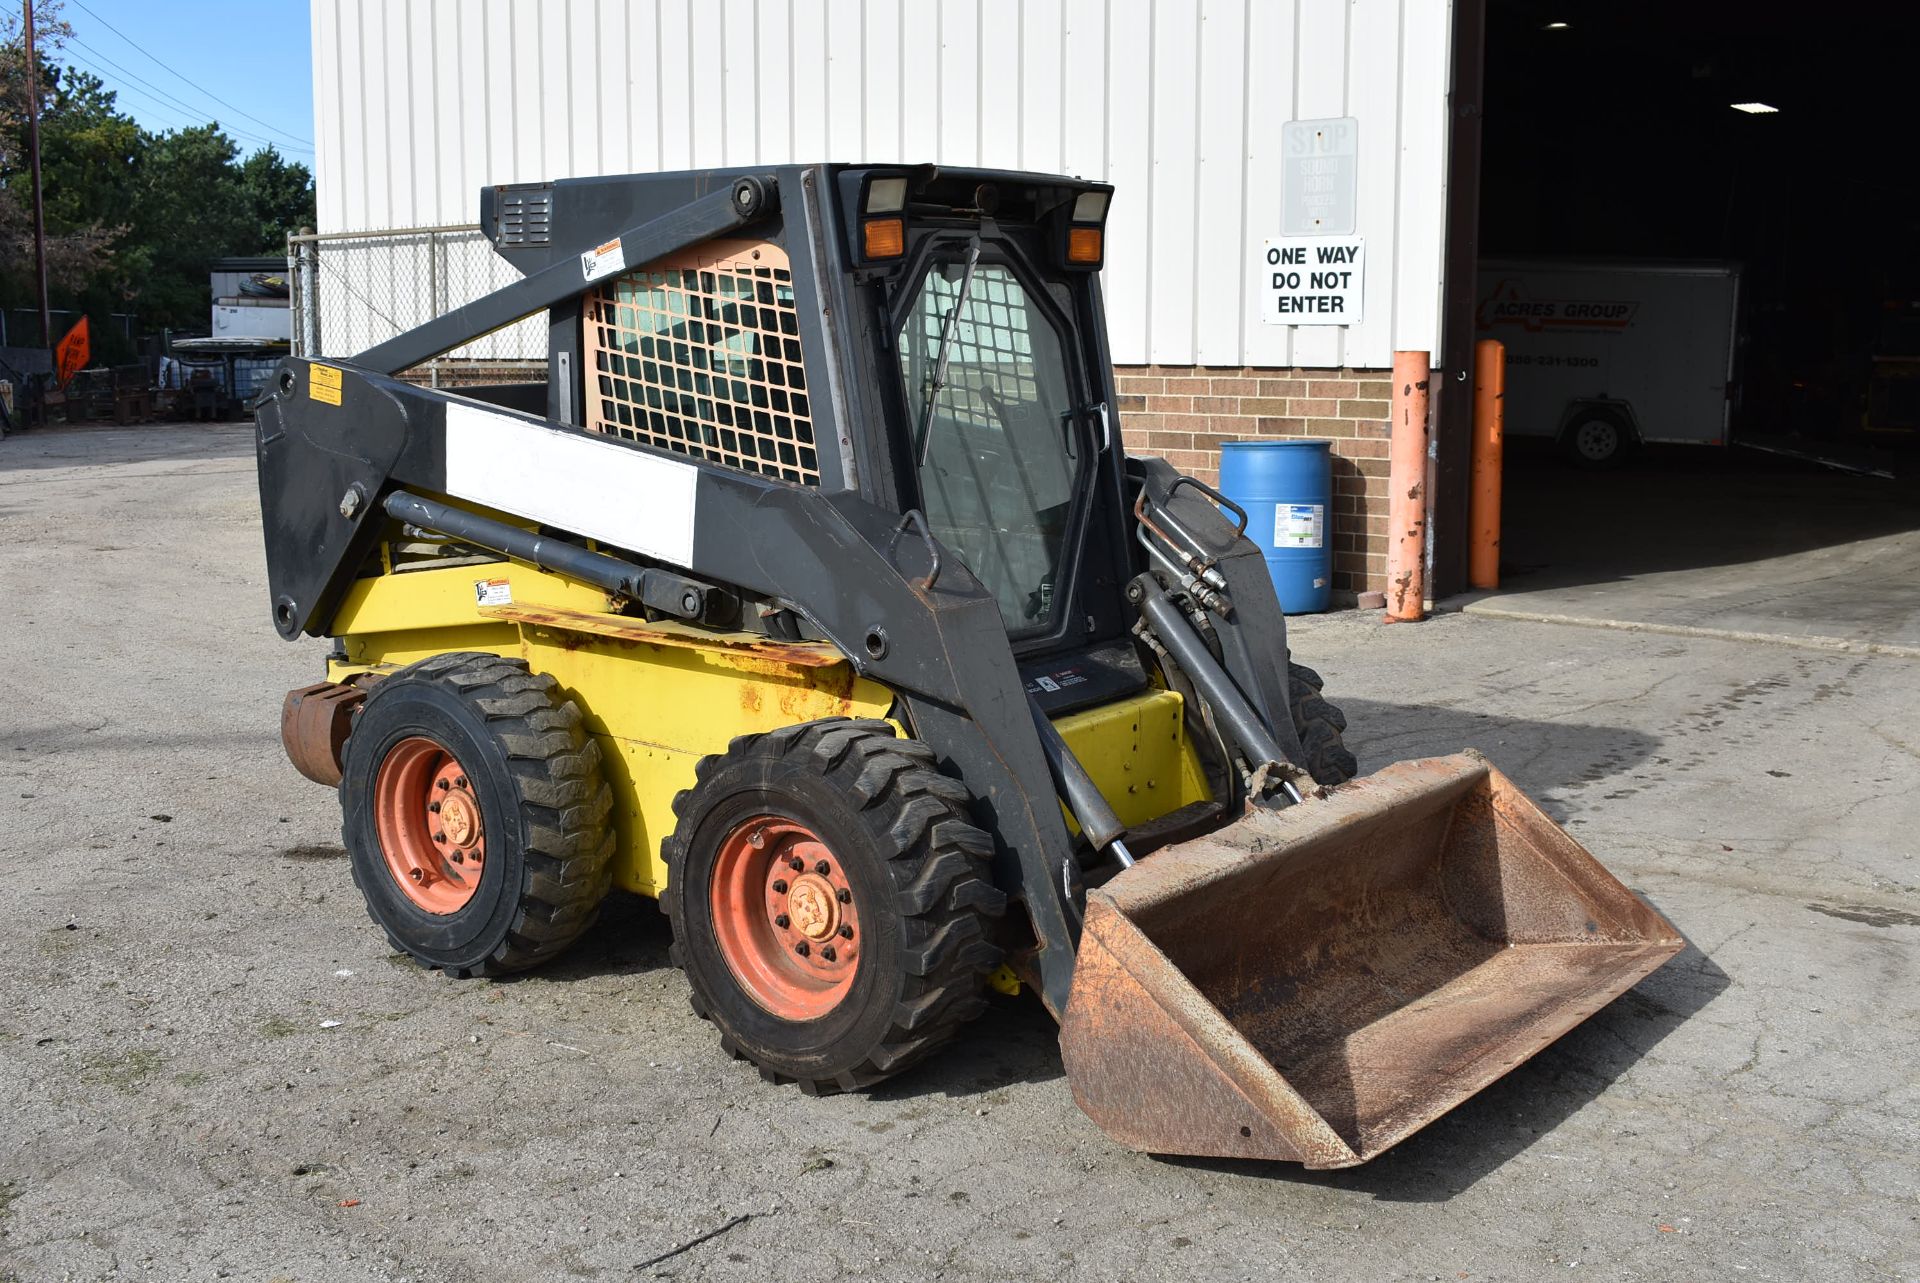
1245	615
341	449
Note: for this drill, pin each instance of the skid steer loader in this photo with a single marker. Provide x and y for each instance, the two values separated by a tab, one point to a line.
812	593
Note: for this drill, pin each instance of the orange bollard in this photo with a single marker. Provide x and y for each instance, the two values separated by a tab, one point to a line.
1407	490
1489	445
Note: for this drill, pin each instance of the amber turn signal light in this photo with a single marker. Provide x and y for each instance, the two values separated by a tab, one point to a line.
1083	244
885	238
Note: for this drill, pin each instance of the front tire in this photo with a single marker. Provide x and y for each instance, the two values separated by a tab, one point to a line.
832	902
1320	725
476	814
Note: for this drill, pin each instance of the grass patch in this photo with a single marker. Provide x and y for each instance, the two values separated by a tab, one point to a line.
123	1072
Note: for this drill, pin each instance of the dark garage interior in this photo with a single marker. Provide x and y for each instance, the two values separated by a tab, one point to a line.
1773	139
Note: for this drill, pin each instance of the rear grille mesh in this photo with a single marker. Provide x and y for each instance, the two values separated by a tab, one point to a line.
699	353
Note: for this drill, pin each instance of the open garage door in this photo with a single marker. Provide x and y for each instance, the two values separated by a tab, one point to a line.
1700	243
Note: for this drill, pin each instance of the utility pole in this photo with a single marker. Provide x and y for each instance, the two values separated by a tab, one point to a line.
39	203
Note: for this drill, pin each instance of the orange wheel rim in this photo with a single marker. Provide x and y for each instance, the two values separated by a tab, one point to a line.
427	816
785	917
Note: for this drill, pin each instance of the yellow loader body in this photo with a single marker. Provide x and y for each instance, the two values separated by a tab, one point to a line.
660	696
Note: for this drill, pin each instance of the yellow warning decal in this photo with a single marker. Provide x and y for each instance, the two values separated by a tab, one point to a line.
323	383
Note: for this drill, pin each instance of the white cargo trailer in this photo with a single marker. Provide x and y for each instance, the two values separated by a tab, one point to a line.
1603	355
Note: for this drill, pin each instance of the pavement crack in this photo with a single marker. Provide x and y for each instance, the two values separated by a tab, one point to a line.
1892	741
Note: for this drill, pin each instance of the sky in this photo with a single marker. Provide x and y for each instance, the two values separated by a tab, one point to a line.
245	63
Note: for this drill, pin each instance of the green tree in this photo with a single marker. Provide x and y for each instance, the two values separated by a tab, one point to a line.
91	154
279	196
76	238
191	208
196	200
133	218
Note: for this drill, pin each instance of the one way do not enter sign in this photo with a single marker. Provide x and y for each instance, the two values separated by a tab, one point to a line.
1312	280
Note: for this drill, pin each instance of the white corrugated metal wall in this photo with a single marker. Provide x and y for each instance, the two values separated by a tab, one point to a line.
420	103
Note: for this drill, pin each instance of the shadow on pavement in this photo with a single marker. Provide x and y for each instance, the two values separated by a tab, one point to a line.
630	938
1016	1041
1542	757
1678	509
1473	1140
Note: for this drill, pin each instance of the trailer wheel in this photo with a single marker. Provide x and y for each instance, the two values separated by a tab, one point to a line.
1319	724
832	902
1597	438
475	814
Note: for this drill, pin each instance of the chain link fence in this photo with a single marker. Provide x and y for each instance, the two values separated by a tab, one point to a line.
351	290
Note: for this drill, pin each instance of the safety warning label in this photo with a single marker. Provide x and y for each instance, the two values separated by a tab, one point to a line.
603	260
323	383
493	592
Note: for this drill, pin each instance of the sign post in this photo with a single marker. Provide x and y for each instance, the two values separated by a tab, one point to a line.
39	203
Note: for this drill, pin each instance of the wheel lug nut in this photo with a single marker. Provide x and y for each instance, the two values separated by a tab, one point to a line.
442	784
843	895
780	886
439	837
781	921
829	954
797	864
457	859
802	949
823	868
846	932
434	807
461	782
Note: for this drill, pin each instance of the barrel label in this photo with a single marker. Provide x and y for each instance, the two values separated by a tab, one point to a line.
1299	525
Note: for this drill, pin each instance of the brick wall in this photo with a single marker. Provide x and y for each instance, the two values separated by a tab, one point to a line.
1184	413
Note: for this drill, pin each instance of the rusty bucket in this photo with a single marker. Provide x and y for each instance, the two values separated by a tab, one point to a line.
1317	983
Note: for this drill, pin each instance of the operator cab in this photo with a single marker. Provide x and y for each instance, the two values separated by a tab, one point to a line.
986	308
930	338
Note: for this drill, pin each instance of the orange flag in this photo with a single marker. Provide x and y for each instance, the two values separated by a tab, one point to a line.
73	353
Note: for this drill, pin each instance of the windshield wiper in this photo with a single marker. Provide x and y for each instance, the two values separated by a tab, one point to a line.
940	355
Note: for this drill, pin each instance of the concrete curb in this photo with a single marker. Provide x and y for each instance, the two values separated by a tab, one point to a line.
1842	645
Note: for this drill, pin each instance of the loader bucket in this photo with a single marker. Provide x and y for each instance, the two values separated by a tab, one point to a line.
1317	983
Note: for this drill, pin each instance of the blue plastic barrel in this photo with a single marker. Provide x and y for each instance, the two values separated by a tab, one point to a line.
1287	489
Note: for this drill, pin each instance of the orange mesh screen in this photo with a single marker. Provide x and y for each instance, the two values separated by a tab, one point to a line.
699	353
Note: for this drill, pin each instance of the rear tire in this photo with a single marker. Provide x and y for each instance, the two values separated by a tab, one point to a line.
1598	439
469	755
884	841
1319	723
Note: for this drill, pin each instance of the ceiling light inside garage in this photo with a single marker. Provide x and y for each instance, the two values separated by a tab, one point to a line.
1555	26
1754	108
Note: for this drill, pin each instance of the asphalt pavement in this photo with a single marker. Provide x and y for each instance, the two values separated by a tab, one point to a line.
212	1066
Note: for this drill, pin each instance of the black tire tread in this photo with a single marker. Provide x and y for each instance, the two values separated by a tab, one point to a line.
1319	724
564	804
940	869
